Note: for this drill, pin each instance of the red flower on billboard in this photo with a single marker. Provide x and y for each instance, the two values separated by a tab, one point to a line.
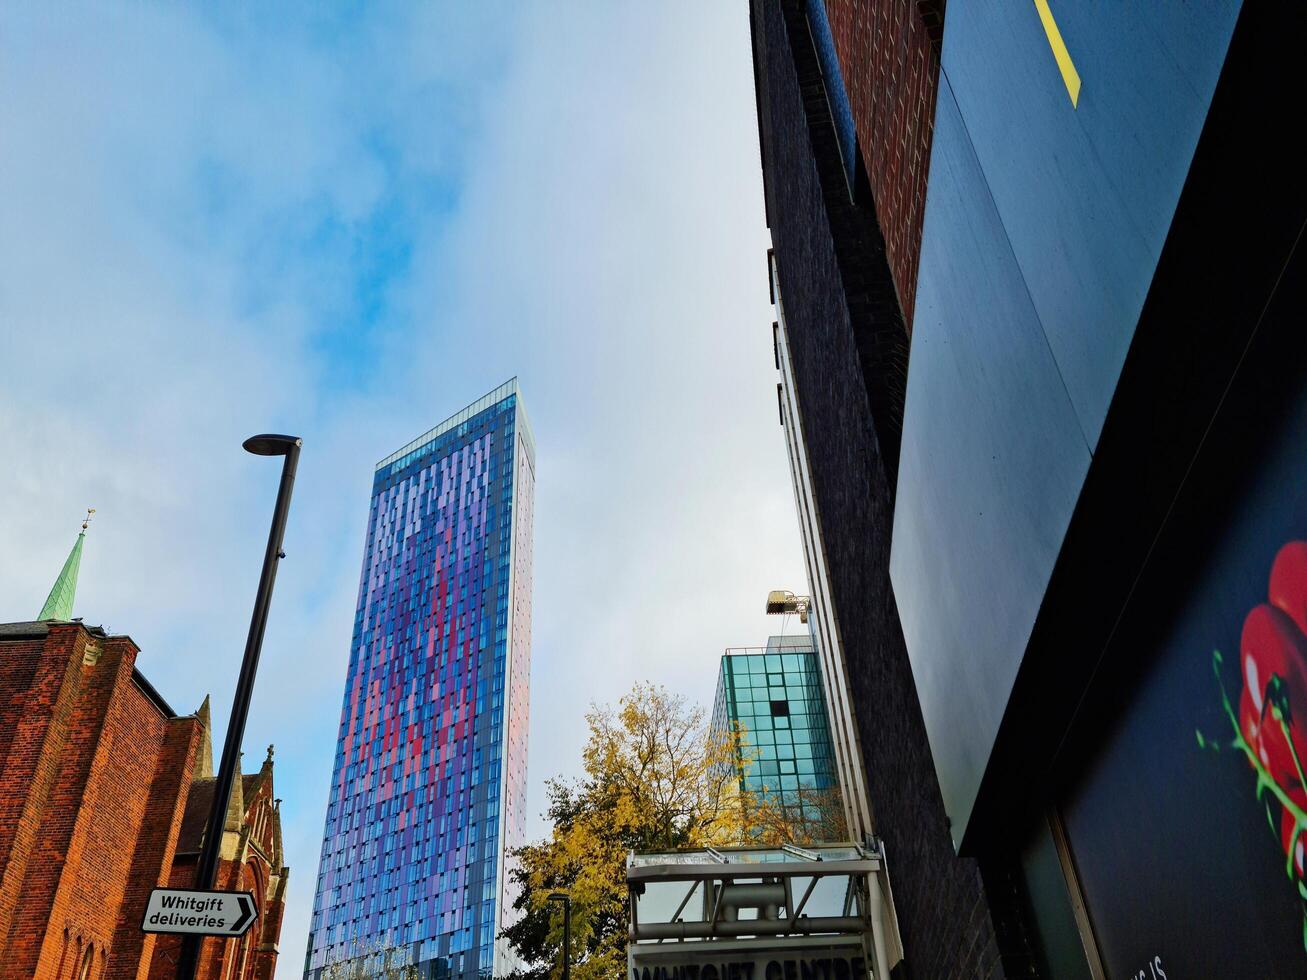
1271	725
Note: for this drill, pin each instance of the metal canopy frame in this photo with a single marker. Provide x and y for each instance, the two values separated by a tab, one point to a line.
731	880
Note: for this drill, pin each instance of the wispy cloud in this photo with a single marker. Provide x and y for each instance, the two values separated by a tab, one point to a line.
348	226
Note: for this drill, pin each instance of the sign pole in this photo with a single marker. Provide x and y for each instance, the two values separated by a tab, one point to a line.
566	899
207	865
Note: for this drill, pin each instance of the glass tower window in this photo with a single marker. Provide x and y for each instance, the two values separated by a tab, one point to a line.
775	695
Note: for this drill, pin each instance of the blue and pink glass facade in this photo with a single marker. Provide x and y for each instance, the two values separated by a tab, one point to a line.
429	784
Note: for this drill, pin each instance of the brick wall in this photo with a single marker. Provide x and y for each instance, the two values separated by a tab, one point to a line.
94	776
39	696
250	861
156	843
266	964
75	882
848	348
889	56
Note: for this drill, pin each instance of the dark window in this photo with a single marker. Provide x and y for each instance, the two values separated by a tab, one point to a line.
780	709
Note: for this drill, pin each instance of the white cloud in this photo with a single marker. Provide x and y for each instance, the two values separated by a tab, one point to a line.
348	231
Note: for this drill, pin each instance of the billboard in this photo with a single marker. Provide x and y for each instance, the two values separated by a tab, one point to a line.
1186	822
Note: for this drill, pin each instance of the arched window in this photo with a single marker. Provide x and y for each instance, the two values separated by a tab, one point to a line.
75	960
63	956
88	961
252	879
233	953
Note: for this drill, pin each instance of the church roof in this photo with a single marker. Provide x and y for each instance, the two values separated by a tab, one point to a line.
37	630
196	816
197	809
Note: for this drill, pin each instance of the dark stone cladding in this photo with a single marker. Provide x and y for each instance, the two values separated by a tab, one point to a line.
849	352
828	227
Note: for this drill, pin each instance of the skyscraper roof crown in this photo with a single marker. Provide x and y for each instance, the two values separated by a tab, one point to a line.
508	389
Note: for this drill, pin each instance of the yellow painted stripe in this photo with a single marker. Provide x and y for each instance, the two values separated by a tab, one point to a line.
1070	76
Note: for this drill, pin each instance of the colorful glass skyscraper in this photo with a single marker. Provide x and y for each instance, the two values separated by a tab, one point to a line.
429	784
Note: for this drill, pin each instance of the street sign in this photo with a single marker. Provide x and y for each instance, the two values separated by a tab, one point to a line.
199	912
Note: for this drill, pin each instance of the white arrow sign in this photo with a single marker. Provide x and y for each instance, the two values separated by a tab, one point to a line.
204	913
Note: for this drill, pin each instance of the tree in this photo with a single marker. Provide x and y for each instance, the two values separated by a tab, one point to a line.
656	777
816	817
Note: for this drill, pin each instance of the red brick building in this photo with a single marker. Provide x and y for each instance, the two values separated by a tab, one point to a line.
889	56
104	791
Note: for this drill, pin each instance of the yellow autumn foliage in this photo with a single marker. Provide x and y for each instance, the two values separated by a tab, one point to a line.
656	777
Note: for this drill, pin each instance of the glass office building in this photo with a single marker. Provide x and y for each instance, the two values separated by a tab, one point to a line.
775	694
428	789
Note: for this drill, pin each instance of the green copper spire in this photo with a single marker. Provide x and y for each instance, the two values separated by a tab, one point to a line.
59	605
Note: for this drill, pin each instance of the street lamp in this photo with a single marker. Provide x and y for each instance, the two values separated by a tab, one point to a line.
566	899
206	866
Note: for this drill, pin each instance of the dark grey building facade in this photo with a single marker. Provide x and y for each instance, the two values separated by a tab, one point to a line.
1039	277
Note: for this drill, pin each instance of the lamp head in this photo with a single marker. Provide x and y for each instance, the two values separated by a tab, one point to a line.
560	897
270	444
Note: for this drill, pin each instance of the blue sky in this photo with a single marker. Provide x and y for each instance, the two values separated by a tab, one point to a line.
347	223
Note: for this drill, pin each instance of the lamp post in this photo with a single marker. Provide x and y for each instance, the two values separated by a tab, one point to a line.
206	866
567	931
